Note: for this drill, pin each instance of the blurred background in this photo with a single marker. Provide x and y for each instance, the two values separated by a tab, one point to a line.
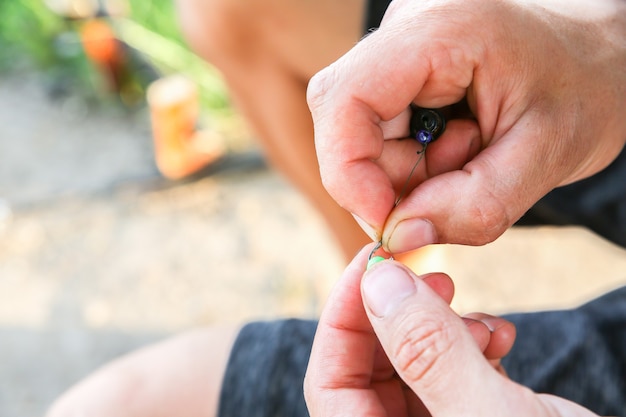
104	247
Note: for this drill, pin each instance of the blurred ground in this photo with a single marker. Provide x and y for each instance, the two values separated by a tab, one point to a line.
99	255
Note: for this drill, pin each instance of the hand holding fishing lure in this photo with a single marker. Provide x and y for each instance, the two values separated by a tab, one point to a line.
554	120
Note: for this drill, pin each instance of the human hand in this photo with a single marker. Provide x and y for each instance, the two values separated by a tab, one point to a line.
408	354
545	83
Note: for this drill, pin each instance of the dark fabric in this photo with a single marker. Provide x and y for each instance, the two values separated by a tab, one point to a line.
598	203
577	354
266	369
374	14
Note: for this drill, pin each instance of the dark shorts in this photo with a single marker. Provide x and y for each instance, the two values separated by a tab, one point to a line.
597	203
576	354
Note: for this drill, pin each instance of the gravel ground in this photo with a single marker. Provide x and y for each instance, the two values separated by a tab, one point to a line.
99	254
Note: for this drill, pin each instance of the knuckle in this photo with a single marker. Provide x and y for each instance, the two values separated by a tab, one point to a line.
311	395
491	220
307	387
319	87
330	179
421	348
482	214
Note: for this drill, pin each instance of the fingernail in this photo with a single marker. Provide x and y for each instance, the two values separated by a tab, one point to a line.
385	286
369	230
469	321
493	323
411	234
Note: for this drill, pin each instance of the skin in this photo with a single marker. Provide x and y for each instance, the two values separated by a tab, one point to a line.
267	50
182	375
544	87
541	90
389	345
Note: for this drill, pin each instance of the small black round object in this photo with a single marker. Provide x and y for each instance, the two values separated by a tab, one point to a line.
429	120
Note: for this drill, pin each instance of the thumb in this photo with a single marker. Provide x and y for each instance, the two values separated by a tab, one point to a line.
428	344
472	206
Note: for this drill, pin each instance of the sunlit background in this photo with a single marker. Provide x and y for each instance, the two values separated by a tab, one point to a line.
101	251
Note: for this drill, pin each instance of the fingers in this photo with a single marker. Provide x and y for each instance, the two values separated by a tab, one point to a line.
348	366
346	357
344	327
348	106
355	110
397	160
343	321
429	345
428	57
501	334
537	131
494	335
441	284
476	204
459	144
344	350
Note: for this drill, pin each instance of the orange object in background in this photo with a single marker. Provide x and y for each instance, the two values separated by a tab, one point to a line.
103	49
180	149
99	42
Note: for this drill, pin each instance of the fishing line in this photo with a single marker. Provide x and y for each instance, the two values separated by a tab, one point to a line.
426	126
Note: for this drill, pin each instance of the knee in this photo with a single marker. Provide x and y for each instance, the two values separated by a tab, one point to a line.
218	30
112	391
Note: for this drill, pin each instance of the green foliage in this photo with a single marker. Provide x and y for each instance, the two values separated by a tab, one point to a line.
31	35
154	30
157	16
27	33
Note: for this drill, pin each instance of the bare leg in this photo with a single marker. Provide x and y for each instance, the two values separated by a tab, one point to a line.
178	377
267	51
